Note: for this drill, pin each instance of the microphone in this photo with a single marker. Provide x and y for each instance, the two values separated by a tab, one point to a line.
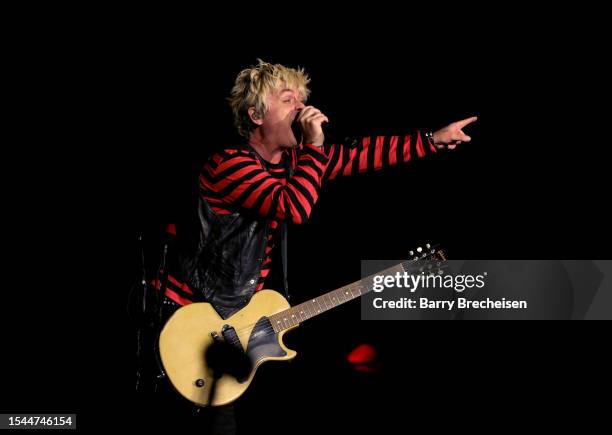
330	136
296	129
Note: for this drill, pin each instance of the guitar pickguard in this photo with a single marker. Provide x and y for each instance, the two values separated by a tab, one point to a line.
263	343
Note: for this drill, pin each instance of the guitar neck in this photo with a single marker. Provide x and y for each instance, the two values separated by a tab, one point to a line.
293	316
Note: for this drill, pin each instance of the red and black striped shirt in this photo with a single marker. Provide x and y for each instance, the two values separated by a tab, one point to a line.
234	179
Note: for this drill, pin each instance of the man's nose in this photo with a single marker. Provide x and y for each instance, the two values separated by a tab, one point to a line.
300	105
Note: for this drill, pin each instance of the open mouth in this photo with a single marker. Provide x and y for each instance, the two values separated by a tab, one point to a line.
295	128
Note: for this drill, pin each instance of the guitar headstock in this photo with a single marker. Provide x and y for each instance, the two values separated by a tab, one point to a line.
429	252
429	259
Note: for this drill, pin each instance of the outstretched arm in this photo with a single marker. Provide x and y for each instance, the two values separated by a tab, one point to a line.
378	152
373	153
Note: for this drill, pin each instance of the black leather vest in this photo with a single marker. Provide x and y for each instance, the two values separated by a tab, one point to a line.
226	264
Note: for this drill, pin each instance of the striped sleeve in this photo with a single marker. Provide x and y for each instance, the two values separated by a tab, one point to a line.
373	153
238	180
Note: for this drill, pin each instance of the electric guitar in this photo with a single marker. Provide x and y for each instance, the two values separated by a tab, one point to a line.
255	333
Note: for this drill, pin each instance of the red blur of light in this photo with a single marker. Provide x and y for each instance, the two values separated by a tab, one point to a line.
363	358
171	229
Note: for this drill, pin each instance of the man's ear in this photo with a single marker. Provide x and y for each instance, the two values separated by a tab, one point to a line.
255	116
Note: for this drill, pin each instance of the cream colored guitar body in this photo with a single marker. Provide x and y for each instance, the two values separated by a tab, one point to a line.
188	334
256	330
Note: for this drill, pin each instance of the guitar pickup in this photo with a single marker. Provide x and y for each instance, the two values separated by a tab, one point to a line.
231	337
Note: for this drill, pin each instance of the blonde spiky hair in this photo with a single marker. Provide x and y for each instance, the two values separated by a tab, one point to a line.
253	85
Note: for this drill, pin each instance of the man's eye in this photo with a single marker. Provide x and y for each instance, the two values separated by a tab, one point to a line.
286	101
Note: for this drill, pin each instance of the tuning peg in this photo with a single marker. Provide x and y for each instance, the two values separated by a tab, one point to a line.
419	249
427	246
411	253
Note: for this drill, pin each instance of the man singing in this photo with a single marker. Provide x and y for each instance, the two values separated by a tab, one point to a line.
249	192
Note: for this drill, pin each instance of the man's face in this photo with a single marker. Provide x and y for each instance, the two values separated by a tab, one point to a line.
283	107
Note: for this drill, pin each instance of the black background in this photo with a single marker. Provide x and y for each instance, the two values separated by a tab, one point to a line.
131	106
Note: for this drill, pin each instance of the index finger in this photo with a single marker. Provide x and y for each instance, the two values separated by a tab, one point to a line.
467	121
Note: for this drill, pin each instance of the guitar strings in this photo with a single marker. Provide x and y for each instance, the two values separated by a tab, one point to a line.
249	327
318	311
428	255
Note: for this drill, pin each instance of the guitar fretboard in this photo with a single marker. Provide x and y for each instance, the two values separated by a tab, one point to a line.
307	310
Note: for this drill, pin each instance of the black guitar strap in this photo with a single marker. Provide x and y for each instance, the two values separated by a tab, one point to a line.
283	230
